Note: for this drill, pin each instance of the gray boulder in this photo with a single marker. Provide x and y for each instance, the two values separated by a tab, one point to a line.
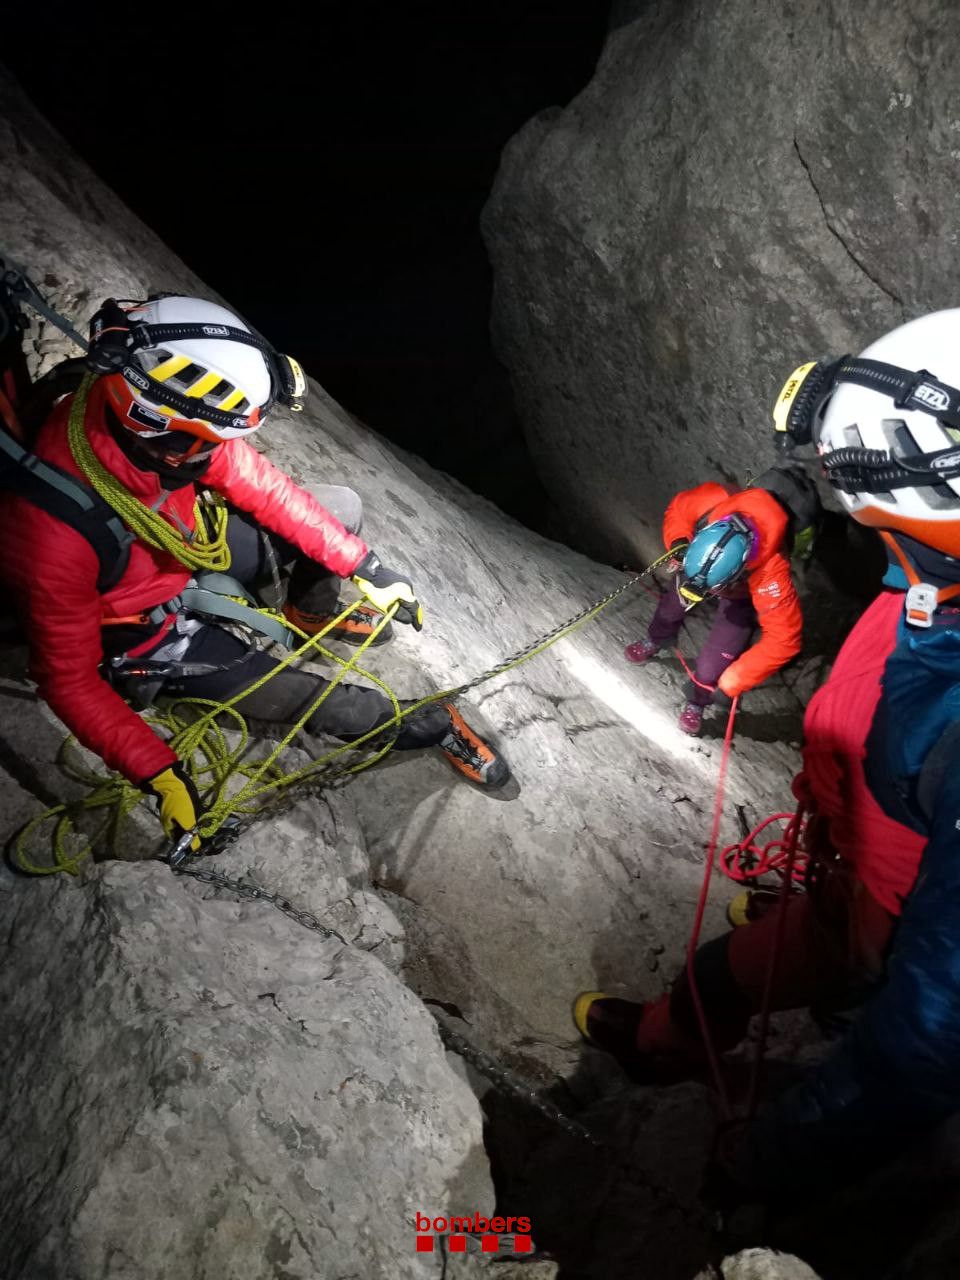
735	192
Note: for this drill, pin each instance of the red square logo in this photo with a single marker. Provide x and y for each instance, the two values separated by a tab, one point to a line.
457	1244
424	1244
489	1244
522	1244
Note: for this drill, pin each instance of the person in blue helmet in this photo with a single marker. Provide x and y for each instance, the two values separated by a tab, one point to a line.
737	547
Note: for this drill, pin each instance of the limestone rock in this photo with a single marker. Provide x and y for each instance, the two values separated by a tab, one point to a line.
734	193
765	1264
205	1089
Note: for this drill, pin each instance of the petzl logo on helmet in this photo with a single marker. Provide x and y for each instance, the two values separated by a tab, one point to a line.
946	461
137	378
216	331
932	397
241	423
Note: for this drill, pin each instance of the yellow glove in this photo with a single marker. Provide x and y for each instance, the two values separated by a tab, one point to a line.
383	588
179	802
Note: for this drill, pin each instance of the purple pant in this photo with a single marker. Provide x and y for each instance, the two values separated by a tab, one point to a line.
727	639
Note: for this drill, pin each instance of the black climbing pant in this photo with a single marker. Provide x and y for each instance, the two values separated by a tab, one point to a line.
258	558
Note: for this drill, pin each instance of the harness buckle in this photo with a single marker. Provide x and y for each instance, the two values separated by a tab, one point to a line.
921	604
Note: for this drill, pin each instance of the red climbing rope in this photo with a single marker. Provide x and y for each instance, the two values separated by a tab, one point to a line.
712	688
782	855
747	860
712	1056
791	843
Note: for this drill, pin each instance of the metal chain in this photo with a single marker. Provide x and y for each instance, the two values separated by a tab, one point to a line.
511	1084
257	893
345	773
530	649
523	1091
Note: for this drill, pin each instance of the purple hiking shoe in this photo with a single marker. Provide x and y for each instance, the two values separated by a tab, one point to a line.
641	651
691	718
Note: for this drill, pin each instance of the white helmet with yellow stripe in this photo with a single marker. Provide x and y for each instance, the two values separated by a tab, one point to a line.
179	364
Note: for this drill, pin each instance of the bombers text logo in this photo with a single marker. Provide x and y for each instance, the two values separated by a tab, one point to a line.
932	397
215	331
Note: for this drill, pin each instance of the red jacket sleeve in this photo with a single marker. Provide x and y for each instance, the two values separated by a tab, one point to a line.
57	598
781	625
252	483
687	508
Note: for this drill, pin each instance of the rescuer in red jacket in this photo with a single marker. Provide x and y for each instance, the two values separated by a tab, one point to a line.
183	382
737	554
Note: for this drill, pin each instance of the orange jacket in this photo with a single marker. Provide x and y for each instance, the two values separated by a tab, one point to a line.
771	587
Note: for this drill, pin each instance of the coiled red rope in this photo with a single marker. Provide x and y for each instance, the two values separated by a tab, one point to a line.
747	860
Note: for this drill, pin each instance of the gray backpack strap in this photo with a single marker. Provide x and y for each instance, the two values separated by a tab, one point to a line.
211	597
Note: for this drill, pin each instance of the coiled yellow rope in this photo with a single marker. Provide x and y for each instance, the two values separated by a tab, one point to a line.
207	549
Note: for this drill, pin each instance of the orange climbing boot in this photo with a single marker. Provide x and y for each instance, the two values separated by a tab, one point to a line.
356	627
471	755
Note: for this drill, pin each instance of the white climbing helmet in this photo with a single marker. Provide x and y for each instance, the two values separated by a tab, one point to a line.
178	364
889	434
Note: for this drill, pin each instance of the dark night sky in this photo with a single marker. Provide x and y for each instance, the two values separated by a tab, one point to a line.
353	145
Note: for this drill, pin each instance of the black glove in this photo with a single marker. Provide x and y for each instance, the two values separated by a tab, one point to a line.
383	588
179	801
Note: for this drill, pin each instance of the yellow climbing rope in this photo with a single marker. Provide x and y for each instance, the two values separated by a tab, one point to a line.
193	729
206	548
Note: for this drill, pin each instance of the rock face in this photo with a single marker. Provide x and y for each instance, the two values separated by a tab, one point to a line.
207	1090
202	1088
732	194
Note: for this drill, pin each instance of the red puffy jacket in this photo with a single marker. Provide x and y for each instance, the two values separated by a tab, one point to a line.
51	571
771	587
885	853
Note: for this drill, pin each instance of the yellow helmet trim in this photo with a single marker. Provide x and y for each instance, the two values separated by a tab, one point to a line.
169	367
232	400
203	385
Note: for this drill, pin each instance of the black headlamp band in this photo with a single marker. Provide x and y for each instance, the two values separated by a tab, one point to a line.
155	335
187	406
875	471
907	388
114	338
146	336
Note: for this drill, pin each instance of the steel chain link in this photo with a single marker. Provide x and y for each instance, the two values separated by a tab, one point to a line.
257	893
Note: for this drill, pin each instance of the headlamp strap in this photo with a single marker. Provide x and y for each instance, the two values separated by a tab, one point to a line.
114	339
907	388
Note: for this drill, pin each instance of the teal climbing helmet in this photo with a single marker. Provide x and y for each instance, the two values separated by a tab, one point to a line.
716	557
